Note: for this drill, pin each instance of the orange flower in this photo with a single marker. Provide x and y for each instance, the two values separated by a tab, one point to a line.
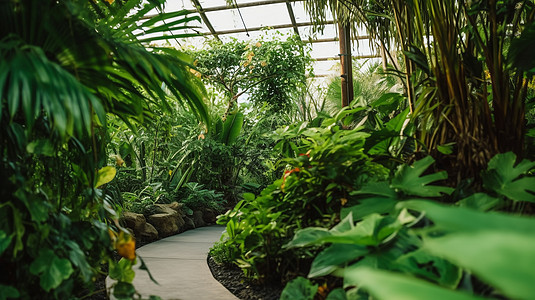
286	174
127	249
323	290
124	243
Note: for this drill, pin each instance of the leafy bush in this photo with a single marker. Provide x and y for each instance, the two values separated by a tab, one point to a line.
61	74
313	189
196	197
393	239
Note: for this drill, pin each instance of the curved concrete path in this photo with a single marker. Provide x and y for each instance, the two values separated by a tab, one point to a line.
179	265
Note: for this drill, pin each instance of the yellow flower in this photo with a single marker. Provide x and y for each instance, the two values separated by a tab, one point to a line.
258	44
126	246
263	63
110	1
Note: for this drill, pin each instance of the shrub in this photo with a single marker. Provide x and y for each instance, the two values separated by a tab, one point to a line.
314	187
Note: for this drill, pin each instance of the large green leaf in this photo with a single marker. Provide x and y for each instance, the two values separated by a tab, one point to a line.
299	288
335	256
409	180
504	177
503	259
460	219
423	264
371	231
337	294
479	201
122	270
51	269
124	290
520	53
369	206
385	285
232	128
498	248
78	258
8	292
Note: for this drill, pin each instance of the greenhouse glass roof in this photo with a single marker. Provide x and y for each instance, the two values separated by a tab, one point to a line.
248	19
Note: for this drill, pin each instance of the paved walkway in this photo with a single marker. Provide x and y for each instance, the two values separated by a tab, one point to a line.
179	265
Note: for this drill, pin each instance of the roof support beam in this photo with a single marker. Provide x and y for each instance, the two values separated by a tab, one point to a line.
222	32
335	39
292	17
338	58
205	18
250	4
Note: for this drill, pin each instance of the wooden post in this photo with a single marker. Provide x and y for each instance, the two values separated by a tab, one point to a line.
345	64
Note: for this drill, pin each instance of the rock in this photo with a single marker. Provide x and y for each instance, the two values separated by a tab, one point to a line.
158	209
133	221
174	206
181	210
198	219
165	224
181	223
209	216
189	224
149	233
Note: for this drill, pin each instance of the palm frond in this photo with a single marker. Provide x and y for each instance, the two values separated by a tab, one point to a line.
33	85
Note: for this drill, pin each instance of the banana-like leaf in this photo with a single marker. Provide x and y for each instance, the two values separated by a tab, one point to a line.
503	259
384	285
232	128
460	219
498	248
371	231
334	257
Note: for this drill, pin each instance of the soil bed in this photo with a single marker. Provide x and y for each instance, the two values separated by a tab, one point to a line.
232	278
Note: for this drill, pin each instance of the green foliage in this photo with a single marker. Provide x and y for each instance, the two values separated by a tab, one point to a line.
314	187
503	177
299	288
51	269
461	240
231	128
465	68
270	71
401	287
65	66
196	197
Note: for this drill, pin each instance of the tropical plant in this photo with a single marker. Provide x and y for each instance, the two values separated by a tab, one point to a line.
394	239
63	66
465	66
196	197
314	187
269	71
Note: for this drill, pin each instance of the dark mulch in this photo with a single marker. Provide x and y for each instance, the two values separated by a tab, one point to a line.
233	279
